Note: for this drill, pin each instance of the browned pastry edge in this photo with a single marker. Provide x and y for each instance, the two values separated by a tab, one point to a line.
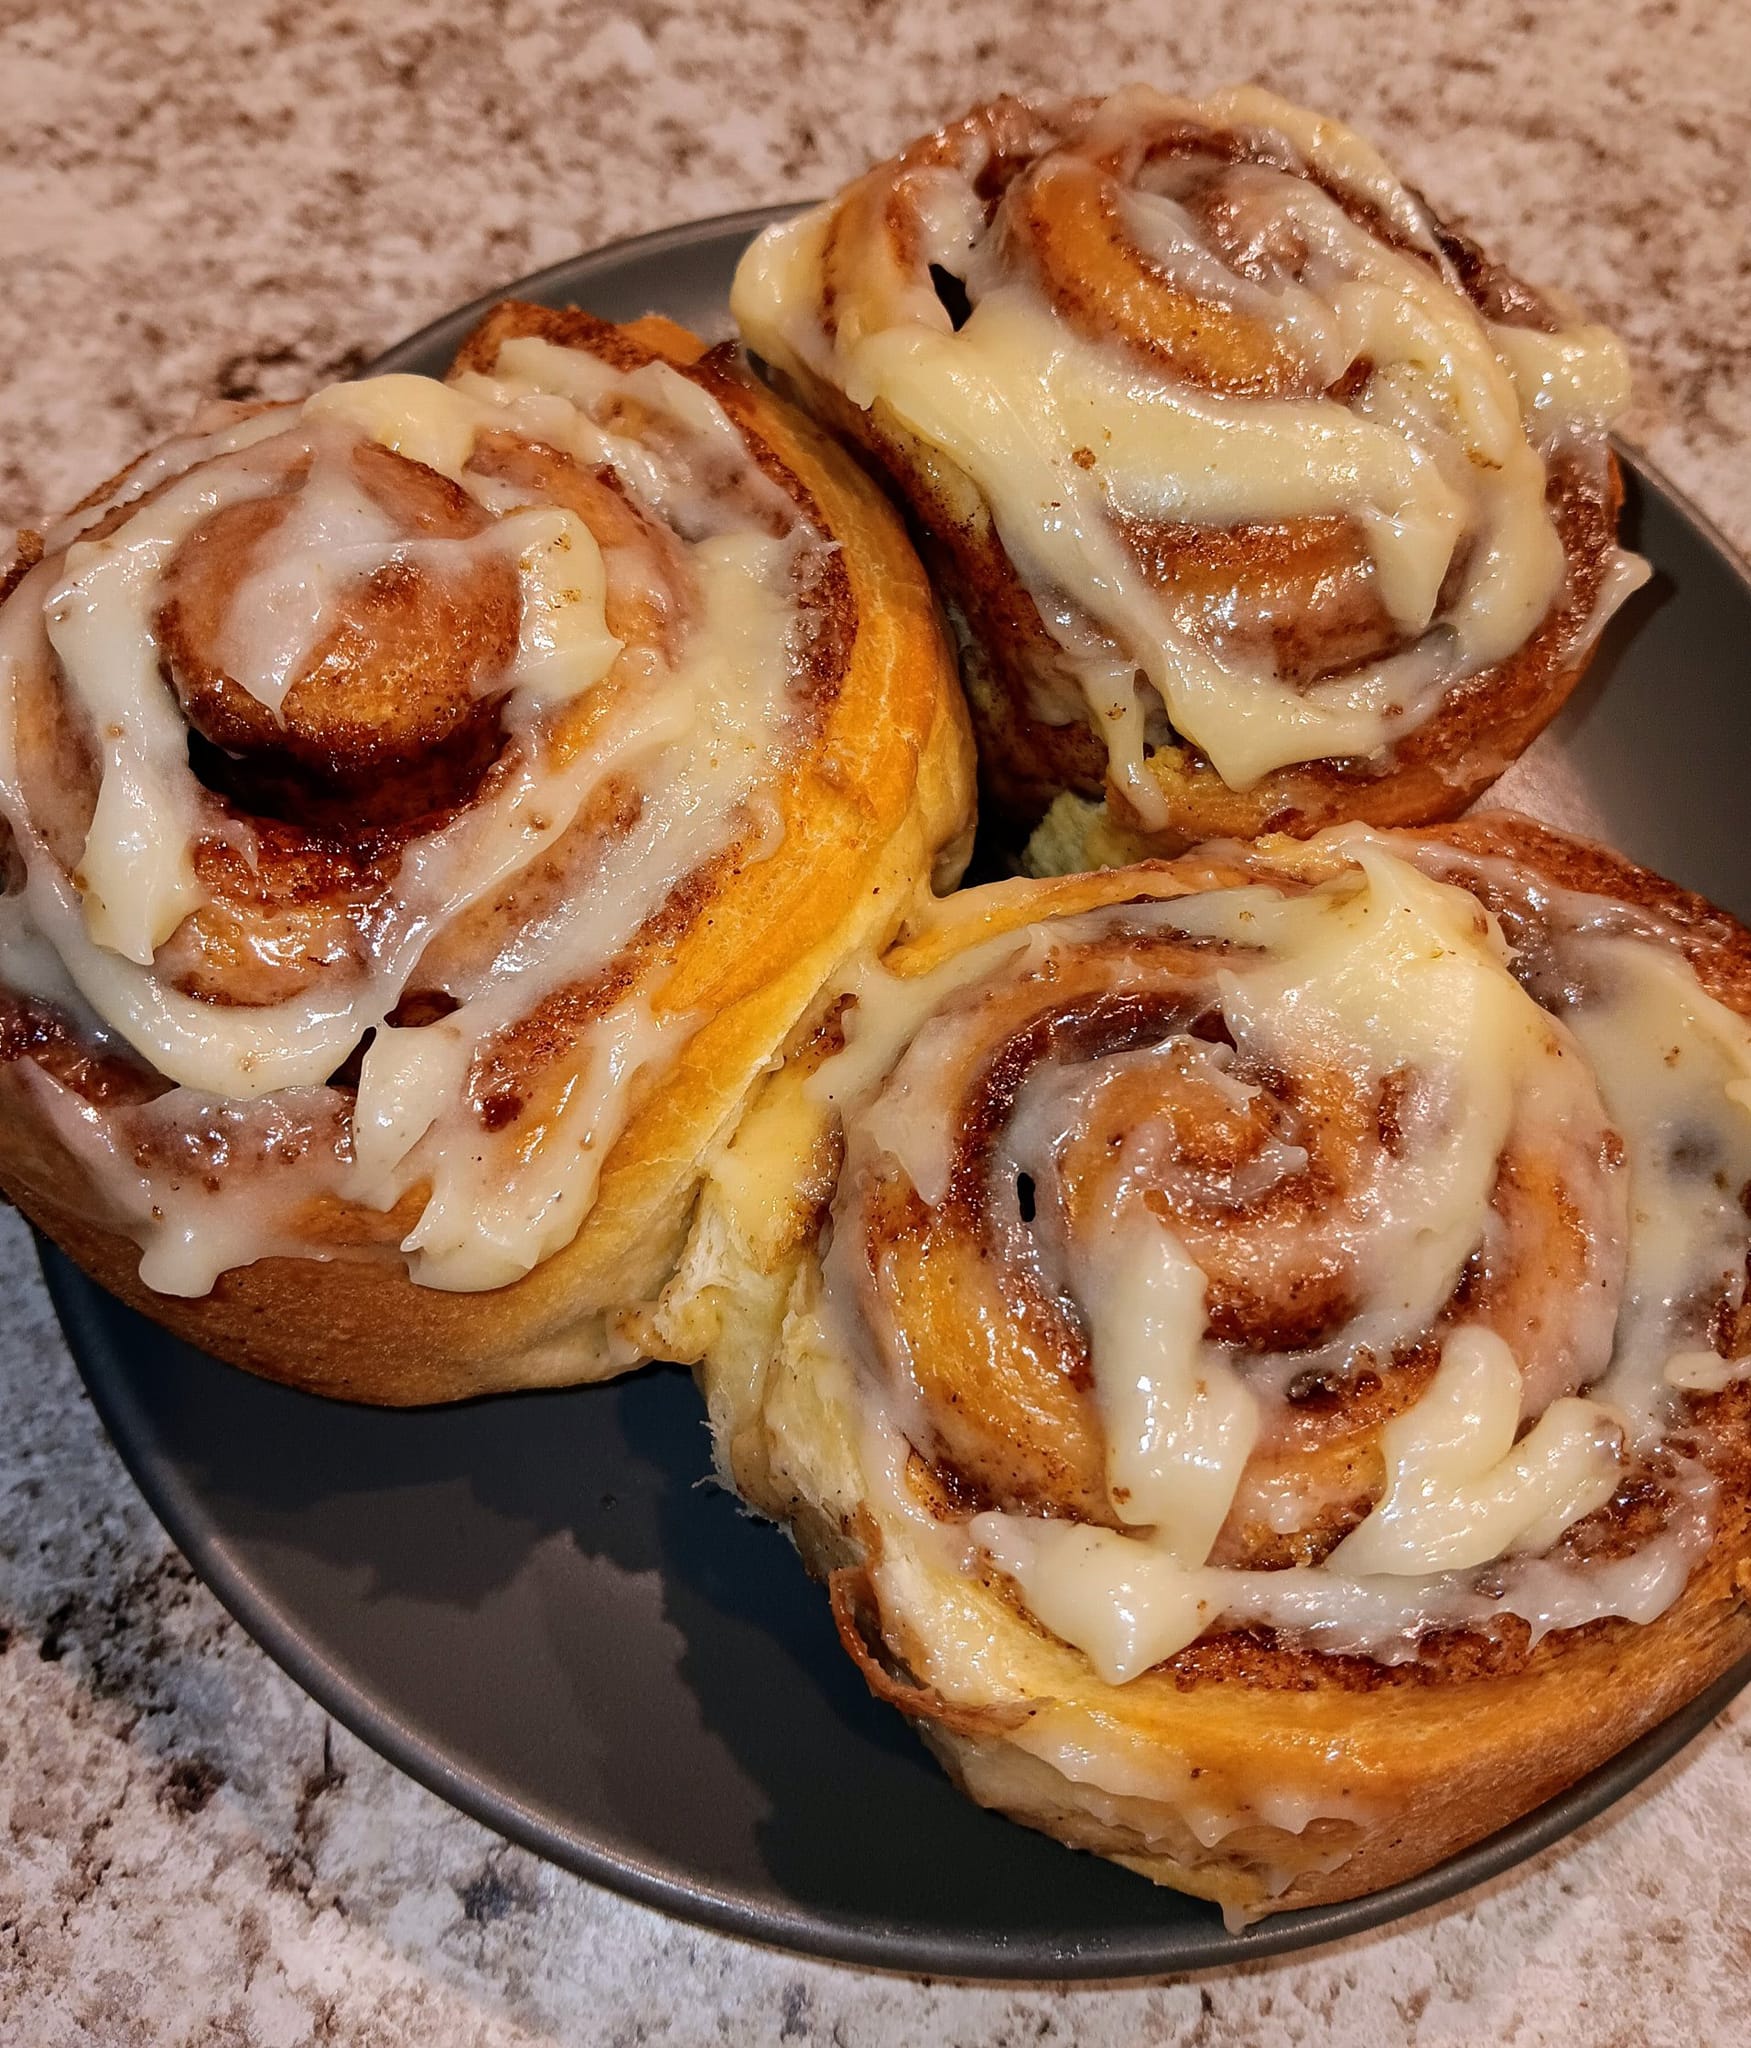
1435	1765
880	796
1434	772
1436	1754
1036	736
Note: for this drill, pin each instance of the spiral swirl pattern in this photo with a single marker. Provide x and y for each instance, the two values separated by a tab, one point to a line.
403	787
1261	496
1259	1280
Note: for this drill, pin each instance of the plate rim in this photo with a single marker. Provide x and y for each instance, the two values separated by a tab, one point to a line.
890	1946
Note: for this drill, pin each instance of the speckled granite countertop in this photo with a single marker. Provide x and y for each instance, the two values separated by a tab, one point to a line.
198	196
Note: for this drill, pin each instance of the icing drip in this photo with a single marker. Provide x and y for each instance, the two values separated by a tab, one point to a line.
694	718
335	536
1437	452
1151	1169
137	876
1179	1420
1459	1489
1674	1067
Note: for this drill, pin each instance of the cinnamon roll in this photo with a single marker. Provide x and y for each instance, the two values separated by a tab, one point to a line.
1260	496
428	807
1260	1349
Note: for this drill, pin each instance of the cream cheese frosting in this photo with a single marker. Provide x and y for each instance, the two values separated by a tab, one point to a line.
1394	404
1390	971
695	726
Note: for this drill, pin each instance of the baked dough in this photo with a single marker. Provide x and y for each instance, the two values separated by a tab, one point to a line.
428	808
1258	1351
1260	496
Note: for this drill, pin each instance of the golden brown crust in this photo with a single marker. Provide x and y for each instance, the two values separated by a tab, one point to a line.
1010	663
404	673
1438	1766
1300	594
1393	1767
879	792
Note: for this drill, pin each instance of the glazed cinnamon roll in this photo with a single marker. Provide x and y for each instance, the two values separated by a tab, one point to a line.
1260	496
427	809
1261	1349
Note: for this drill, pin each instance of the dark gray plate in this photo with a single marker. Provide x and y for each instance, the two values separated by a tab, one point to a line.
534	1607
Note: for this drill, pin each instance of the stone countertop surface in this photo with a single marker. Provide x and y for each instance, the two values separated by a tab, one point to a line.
199	197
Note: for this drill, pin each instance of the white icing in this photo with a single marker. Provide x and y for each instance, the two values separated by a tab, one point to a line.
1179	1422
564	644
407	1079
187	1211
697	727
1705	1372
1124	1604
332	537
428	422
1674	1068
1384	970
1459	1489
172	458
136	876
1443	449
727	691
474	1233
1403	974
